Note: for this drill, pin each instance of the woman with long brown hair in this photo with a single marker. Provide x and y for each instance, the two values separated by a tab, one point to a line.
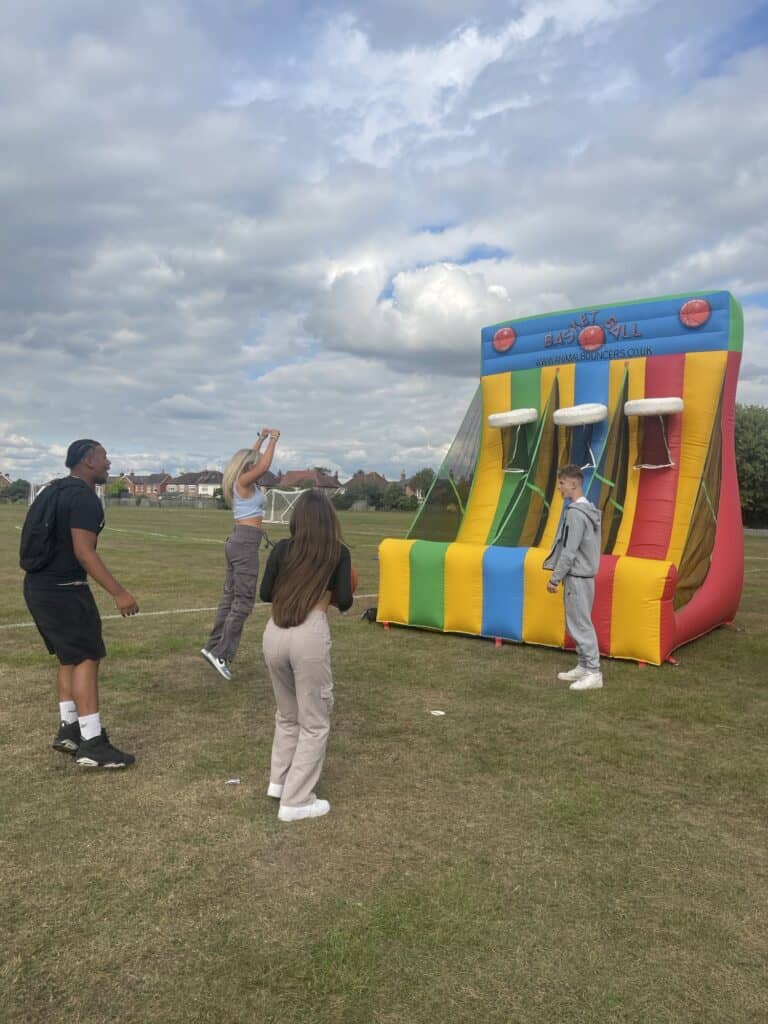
246	499
302	574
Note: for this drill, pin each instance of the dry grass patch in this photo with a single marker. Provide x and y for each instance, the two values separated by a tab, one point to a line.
530	856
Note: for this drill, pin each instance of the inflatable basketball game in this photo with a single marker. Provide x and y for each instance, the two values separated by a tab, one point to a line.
642	396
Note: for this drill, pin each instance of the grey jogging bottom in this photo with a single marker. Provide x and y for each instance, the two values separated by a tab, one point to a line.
239	597
579	596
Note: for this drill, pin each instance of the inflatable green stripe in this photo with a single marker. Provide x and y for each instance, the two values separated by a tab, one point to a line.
526	394
427	584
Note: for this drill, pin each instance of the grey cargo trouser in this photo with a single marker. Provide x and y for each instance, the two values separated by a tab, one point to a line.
239	597
579	596
299	663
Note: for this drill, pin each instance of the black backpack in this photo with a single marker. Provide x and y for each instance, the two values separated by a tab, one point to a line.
38	534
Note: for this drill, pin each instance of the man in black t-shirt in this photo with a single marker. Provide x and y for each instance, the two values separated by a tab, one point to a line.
65	613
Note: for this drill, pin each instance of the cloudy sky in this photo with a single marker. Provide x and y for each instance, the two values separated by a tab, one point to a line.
221	214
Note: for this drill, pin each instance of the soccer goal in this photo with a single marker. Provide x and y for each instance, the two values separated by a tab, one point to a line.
34	490
278	505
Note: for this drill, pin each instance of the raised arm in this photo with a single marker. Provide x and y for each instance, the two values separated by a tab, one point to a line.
260	468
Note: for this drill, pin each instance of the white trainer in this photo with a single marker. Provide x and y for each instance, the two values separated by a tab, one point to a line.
590	681
314	810
275	789
218	663
573	675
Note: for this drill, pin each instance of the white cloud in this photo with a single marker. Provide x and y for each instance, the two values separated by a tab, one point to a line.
308	224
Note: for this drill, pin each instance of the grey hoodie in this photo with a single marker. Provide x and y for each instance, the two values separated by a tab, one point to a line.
576	551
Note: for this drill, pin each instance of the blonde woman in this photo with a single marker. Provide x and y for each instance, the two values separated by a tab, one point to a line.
246	500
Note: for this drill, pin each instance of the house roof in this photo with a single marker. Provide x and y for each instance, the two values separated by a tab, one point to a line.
319	479
186	478
210	476
367	478
150	478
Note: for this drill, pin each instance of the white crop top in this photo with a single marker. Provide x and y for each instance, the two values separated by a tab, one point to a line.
245	508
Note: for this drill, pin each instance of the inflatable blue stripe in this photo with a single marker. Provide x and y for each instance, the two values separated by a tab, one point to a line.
503	587
592	385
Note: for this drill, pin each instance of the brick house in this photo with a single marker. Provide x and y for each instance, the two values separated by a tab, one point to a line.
316	477
208	482
184	483
151	485
5	481
366	479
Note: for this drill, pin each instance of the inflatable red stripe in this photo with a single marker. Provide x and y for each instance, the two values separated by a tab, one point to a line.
657	491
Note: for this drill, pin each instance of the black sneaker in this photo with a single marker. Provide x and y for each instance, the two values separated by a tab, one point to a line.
68	738
99	753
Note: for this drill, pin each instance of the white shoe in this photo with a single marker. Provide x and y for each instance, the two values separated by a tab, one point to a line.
590	681
313	810
218	663
275	789
574	674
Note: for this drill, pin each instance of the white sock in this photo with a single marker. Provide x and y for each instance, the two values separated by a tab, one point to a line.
90	726
67	712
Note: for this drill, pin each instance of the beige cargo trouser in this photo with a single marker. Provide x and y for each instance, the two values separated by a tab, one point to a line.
299	664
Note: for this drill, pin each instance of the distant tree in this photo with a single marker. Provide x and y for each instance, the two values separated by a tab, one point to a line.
366	491
408	503
422	480
342	501
752	463
17	491
218	497
391	497
117	489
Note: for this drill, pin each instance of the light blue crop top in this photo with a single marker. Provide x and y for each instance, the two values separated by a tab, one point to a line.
244	508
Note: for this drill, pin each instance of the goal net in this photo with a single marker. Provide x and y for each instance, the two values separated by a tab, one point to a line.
34	490
278	505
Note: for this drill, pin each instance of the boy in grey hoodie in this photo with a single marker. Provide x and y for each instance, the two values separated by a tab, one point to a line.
574	561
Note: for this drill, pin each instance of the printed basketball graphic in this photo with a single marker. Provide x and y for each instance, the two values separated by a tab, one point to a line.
592	338
504	339
695	313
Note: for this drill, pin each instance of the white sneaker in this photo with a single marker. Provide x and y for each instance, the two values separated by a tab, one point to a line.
313	810
590	681
275	789
575	673
218	663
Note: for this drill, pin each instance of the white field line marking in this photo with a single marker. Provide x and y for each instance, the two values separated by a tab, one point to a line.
168	611
167	536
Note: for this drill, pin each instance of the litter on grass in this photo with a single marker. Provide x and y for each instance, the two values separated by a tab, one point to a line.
232	782
437	713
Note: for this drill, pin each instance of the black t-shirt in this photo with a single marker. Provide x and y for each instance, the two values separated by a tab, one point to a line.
340	581
78	508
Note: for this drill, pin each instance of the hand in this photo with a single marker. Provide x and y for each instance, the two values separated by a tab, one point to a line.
274	435
126	604
552	587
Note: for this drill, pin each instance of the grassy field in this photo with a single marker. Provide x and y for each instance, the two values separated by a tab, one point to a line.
532	856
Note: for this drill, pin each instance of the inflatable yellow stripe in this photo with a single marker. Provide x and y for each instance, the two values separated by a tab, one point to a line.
394	580
635	389
638	585
543	613
702	384
464	588
489	475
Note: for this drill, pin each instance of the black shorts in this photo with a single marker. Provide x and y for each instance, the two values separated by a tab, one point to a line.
68	621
